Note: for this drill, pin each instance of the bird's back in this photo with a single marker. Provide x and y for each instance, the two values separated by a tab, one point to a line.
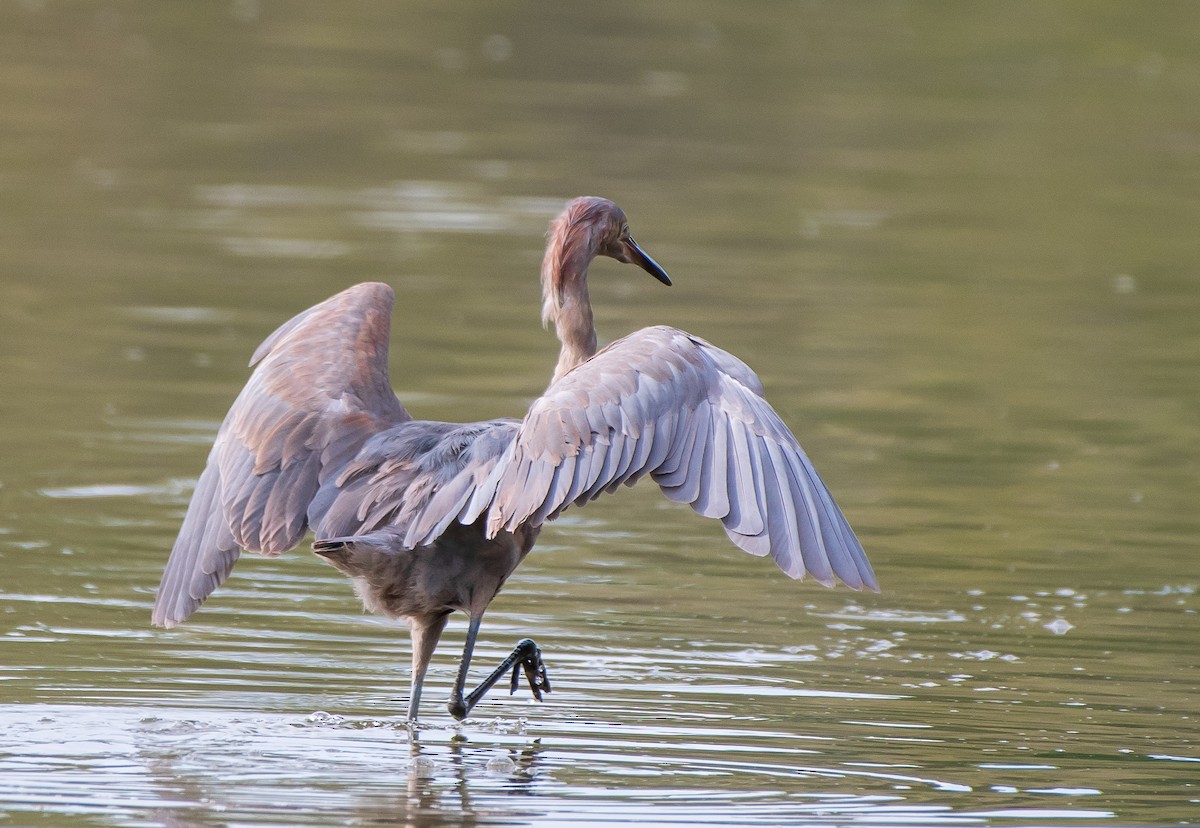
408	477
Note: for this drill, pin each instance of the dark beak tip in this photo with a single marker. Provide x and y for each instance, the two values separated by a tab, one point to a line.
640	258
651	267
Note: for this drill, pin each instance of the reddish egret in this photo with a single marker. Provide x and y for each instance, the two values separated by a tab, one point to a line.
427	518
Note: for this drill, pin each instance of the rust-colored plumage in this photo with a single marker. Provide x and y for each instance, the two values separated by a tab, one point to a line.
427	518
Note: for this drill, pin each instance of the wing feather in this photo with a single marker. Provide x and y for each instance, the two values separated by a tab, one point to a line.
202	558
683	483
800	536
620	469
744	516
319	391
664	403
713	498
604	472
758	542
776	522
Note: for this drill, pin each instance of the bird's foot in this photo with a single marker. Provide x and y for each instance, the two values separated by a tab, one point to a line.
525	657
535	669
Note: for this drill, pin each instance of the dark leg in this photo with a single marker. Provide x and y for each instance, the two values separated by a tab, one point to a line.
425	633
525	656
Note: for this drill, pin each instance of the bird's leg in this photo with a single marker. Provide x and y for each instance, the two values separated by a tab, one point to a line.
425	633
525	655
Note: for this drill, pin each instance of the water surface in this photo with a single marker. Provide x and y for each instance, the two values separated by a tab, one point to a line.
956	242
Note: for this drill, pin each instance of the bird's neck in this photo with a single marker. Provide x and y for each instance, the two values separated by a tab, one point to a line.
567	306
576	332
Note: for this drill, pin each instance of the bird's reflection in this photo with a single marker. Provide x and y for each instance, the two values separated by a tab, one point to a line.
441	778
450	775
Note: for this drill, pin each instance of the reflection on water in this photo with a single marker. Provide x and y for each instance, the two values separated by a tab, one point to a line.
958	245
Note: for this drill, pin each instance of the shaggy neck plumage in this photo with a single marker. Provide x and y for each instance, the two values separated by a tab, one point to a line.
565	292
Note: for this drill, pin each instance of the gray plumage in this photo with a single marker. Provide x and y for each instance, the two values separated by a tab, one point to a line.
428	518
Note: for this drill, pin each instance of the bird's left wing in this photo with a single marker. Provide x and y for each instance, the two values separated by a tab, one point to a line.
692	416
319	391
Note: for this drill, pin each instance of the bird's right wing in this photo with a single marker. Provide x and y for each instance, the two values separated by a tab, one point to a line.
319	391
692	416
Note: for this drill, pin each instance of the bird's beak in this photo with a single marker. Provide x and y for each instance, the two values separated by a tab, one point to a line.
638	257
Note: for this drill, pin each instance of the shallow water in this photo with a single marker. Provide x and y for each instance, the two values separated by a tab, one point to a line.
957	244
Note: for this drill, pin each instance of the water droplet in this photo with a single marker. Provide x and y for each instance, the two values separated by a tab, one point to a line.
422	766
501	765
1059	626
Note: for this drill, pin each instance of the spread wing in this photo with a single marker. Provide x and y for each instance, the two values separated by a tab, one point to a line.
319	392
664	403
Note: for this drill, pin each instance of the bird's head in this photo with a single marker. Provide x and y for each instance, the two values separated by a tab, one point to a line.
614	239
589	227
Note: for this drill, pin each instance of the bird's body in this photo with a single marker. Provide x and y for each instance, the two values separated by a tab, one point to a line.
430	518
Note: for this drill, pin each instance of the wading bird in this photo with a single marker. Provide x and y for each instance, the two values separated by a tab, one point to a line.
427	518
